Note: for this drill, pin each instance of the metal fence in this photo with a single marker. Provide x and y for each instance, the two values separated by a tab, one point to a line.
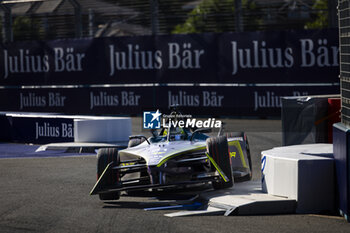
344	44
55	19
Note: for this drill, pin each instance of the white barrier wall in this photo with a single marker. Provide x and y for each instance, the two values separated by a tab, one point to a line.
116	129
45	128
304	173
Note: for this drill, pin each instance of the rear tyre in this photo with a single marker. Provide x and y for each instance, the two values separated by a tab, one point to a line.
217	148
104	157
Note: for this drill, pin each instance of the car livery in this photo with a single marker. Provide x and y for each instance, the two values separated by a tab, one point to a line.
175	157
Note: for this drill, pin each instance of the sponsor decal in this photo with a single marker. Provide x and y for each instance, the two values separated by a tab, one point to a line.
24	61
180	56
206	99
259	56
32	99
269	99
47	130
104	99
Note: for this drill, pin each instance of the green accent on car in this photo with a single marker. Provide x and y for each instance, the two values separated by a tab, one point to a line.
97	187
222	174
240	151
179	152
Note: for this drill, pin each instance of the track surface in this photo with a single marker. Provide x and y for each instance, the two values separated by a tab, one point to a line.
52	195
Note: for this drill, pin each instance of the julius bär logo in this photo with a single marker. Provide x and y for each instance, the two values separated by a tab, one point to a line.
151	120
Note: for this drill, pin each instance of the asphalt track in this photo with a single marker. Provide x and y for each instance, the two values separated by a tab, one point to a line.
52	195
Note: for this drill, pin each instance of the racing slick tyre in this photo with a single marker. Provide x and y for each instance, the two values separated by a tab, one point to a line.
245	139
135	142
217	148
104	157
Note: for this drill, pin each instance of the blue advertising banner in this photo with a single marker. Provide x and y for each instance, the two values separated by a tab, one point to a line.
37	129
279	57
306	56
258	101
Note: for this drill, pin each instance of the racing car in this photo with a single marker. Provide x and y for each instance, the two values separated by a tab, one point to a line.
173	157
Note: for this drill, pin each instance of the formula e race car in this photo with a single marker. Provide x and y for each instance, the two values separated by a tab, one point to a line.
174	157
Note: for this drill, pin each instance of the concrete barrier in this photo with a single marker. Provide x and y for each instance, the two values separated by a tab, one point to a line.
117	129
302	172
43	128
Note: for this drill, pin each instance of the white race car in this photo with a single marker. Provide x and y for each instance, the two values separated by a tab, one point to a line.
174	157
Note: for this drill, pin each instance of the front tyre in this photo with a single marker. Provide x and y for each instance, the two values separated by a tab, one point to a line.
217	148
104	157
135	142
